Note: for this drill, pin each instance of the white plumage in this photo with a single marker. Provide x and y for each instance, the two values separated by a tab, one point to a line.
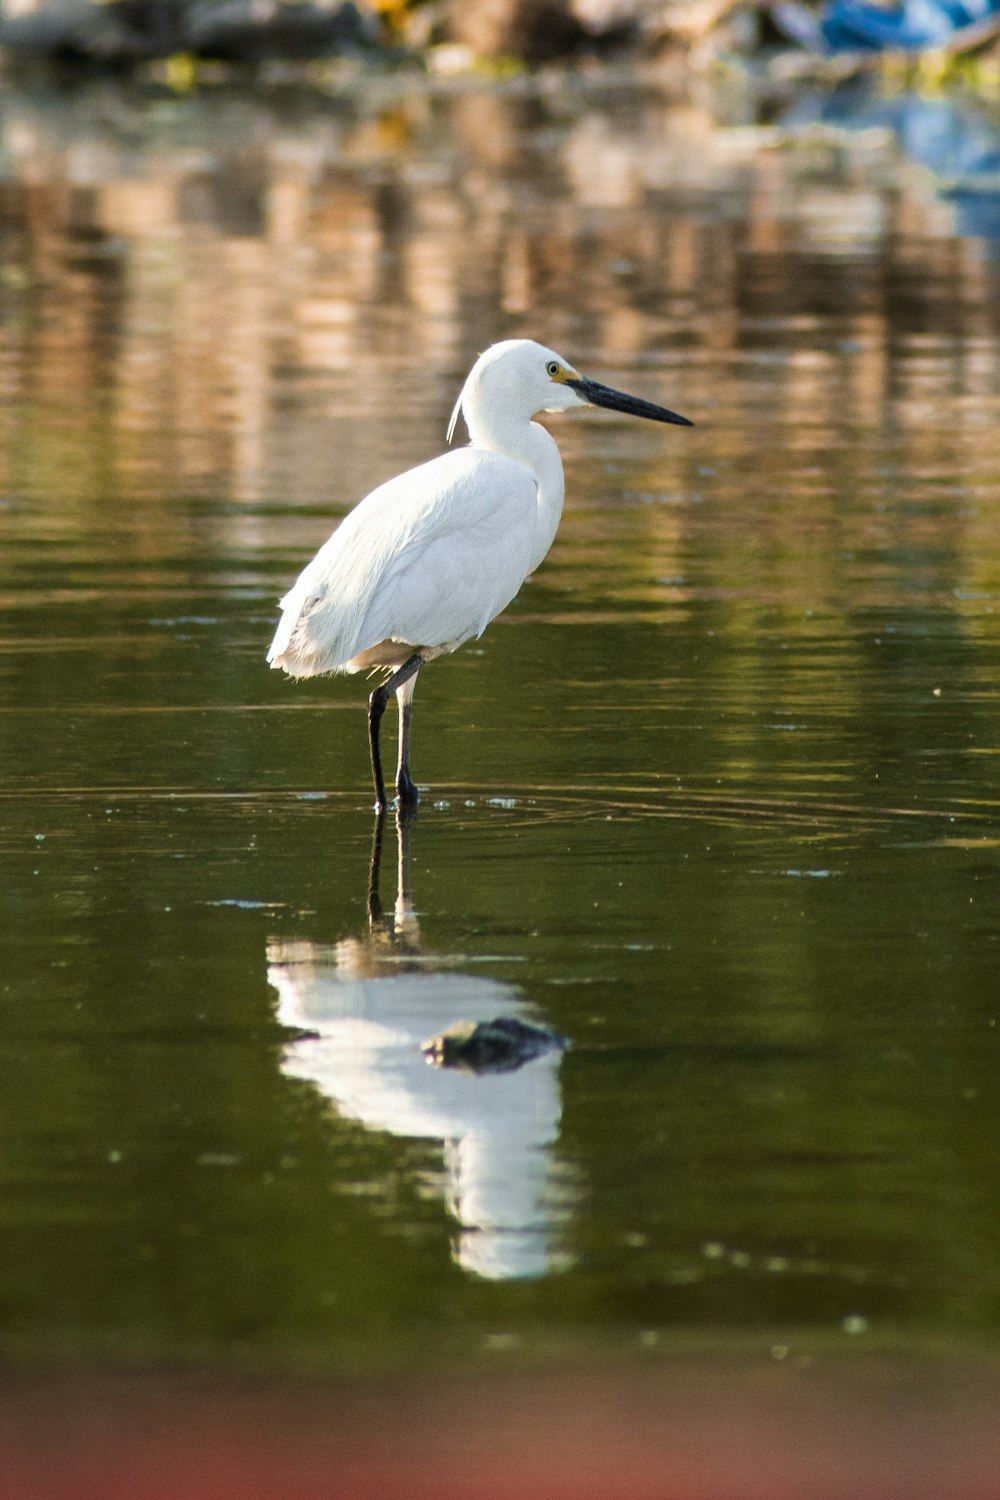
406	565
428	559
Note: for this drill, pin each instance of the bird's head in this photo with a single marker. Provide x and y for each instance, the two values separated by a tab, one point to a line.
518	378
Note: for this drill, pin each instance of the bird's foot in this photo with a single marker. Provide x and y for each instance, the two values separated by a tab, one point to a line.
406	790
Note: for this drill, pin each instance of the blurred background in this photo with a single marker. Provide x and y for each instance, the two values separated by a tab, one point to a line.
714	803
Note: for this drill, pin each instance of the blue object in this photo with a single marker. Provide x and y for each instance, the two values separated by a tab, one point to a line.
854	26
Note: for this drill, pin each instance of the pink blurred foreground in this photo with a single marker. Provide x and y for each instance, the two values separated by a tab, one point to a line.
678	1432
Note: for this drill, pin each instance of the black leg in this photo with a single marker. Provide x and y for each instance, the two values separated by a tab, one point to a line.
376	708
406	787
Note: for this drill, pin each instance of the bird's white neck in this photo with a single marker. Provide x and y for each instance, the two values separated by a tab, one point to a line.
527	443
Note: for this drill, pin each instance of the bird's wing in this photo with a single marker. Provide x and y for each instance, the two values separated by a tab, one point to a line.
428	558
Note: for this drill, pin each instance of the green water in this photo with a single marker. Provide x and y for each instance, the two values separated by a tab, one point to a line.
716	799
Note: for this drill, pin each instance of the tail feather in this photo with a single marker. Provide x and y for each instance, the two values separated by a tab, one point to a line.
307	641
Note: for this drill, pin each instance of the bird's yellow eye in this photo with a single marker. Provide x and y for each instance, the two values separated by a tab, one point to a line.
552	368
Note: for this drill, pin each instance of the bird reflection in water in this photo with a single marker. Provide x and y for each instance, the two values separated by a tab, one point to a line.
369	1004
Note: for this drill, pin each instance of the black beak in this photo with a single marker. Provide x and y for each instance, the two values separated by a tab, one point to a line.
603	395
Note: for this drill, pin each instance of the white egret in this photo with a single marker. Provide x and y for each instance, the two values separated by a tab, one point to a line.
428	559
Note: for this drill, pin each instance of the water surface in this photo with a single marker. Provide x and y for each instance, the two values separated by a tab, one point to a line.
716	799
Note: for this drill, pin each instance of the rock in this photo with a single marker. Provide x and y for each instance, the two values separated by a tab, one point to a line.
541	30
127	31
497	1046
123	31
254	30
535	30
